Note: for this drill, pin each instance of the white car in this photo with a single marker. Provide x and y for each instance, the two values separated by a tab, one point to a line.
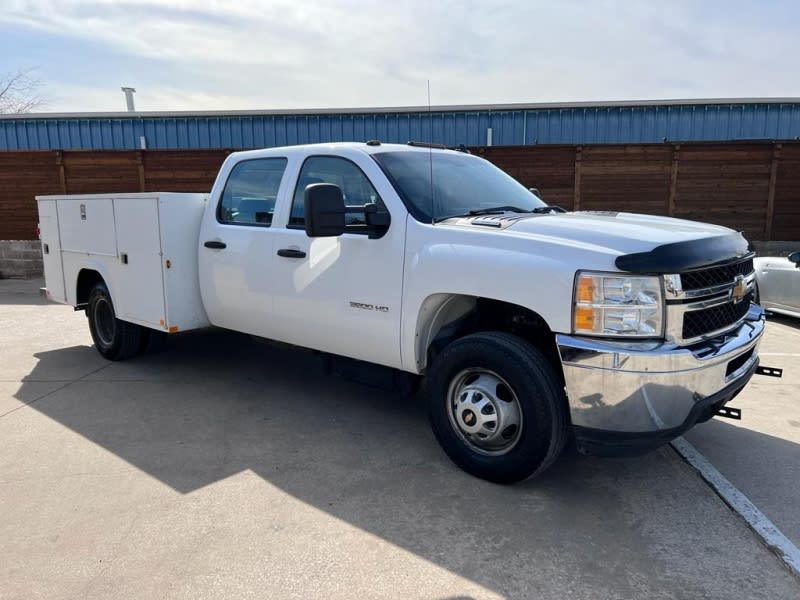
778	283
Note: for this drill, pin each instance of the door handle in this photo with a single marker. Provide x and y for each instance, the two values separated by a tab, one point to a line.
291	253
214	244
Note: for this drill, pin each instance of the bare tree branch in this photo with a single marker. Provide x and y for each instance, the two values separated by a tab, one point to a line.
19	92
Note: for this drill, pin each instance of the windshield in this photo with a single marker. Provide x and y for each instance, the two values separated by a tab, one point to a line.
461	183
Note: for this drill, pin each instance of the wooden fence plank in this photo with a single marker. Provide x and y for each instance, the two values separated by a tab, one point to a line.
773	176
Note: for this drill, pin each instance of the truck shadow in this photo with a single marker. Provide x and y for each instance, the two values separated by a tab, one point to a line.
219	403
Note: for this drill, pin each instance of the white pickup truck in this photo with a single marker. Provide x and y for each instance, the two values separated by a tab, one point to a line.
525	324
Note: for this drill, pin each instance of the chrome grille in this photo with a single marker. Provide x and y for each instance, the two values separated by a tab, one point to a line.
706	278
701	322
708	302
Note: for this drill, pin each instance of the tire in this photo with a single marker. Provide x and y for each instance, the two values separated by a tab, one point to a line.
114	339
522	387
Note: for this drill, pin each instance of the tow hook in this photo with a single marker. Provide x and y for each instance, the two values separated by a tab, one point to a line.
769	371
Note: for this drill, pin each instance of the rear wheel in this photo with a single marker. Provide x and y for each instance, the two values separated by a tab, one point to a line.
114	339
497	407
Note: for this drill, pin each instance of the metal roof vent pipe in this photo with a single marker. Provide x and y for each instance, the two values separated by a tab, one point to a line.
129	91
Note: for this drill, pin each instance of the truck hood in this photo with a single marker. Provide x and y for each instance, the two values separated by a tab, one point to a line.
622	232
636	243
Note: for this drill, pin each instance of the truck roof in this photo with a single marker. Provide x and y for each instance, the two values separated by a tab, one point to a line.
371	147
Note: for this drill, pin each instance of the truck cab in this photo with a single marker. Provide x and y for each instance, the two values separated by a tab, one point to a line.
526	325
341	295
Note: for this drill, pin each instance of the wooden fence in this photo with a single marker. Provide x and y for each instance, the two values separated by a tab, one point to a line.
751	187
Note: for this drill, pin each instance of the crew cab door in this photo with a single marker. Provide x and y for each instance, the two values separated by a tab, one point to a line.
341	294
236	243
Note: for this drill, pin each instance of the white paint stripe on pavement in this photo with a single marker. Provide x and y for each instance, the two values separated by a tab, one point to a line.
758	521
739	503
779	353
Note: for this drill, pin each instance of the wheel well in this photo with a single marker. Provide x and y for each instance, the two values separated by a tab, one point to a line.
87	279
487	314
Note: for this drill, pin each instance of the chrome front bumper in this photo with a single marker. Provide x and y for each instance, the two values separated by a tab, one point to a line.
651	388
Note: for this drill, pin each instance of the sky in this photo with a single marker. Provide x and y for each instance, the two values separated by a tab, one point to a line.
284	54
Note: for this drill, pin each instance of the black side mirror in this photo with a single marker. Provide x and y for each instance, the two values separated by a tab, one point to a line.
324	210
795	258
377	222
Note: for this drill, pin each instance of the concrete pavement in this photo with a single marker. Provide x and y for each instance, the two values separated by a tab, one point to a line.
760	454
228	468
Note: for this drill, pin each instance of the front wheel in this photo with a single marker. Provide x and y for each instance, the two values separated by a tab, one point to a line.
114	339
497	407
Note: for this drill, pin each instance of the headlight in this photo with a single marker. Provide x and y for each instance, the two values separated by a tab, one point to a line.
617	305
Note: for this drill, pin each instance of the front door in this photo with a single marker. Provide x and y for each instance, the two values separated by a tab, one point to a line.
341	294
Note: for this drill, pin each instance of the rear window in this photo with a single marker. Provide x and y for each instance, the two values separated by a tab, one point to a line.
250	192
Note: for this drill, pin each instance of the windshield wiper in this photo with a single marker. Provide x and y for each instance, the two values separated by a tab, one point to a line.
548	208
496	210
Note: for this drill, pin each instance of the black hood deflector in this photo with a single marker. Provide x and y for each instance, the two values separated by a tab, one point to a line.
686	256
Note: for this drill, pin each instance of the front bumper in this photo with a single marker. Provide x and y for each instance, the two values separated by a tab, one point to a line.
628	397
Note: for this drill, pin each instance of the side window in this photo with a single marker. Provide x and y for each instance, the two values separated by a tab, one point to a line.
250	192
355	186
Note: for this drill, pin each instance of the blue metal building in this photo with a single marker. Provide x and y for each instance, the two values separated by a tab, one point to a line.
478	125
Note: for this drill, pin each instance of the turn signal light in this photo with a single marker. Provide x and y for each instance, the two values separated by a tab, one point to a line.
584	318
584	291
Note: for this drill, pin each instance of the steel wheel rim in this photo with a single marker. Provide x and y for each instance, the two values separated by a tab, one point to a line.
484	411
104	322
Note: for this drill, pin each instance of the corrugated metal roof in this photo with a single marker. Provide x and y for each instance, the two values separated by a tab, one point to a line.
514	124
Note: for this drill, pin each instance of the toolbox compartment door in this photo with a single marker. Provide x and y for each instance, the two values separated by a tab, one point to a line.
87	225
140	284
51	250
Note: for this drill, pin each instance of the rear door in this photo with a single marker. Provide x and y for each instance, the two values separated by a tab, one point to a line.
236	255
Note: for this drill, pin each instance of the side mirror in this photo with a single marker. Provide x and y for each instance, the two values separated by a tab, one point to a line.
795	258
377	222
324	210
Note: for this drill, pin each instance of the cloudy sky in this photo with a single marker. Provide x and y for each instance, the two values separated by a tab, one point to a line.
248	54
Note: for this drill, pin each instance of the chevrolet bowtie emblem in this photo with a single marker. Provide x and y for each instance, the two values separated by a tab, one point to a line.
739	289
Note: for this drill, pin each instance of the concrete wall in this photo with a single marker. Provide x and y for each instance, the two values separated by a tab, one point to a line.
20	259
